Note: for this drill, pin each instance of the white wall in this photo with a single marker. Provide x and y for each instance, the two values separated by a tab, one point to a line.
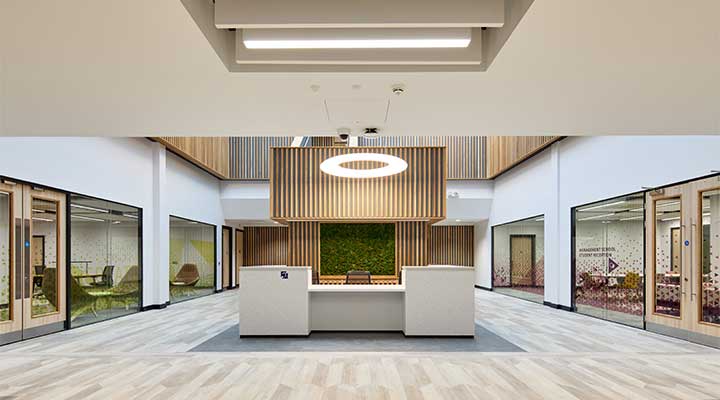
133	171
580	170
195	194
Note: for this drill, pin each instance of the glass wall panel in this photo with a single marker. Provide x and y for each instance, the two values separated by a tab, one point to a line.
608	259
45	290
105	246
4	256
710	257
192	259
519	259
668	265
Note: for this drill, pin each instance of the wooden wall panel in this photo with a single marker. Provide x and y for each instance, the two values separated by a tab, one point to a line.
504	152
452	245
300	191
323	141
265	245
465	154
411	244
304	244
208	153
250	156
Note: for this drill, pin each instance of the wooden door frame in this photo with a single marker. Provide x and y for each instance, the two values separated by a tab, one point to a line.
690	320
11	330
697	188
532	256
230	230
238	260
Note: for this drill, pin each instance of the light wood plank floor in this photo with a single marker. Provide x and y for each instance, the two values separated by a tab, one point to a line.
569	356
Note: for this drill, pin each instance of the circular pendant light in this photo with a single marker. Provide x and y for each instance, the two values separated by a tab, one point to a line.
393	165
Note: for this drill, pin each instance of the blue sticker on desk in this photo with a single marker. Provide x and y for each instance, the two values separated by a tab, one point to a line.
283	274
687	243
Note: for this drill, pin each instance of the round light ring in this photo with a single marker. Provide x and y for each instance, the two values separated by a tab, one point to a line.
333	165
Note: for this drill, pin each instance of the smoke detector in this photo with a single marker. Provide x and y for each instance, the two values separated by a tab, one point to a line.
370	133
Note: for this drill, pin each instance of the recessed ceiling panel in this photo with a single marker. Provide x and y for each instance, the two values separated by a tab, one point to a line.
358	13
353	112
471	55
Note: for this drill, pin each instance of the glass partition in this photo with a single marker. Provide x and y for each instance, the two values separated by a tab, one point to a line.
105	254
44	227
608	259
518	259
4	256
710	273
192	259
668	264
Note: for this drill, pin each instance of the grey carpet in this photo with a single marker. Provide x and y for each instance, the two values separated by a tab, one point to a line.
230	341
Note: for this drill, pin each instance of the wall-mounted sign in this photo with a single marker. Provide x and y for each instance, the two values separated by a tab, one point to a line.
283	274
687	243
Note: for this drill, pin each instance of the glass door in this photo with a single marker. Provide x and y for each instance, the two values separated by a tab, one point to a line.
32	262
683	246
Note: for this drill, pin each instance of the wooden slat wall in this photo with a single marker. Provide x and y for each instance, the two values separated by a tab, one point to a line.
322	141
250	156
300	191
411	244
466	154
504	152
304	244
208	153
452	245
265	245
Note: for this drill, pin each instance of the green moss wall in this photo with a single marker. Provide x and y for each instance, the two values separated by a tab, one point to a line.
365	247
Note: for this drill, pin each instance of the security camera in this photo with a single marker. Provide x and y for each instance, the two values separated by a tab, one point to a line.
343	134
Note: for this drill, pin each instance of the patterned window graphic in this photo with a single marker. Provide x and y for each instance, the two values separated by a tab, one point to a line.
608	257
518	259
710	257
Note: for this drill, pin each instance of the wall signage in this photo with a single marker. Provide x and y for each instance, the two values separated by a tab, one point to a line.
283	274
687	243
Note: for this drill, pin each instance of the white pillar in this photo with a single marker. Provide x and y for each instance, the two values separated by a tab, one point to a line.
161	228
554	238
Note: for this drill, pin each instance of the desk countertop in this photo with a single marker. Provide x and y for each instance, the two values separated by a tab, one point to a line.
356	288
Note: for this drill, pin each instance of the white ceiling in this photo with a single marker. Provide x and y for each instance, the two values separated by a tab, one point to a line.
139	68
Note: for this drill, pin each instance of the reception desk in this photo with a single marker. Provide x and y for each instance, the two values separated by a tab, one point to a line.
431	301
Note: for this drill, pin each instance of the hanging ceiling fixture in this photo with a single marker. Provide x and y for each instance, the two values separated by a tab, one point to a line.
393	165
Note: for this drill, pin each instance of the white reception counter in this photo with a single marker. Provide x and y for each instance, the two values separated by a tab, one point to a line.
432	301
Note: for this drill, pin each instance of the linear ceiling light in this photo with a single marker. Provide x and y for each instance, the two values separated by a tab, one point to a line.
87	218
596	217
632	218
357	38
603	206
100	210
333	165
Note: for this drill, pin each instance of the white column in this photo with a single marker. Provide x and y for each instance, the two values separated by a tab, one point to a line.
161	227
554	238
483	259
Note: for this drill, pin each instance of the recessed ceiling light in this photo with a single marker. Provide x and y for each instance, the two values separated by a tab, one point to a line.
357	38
394	165
457	220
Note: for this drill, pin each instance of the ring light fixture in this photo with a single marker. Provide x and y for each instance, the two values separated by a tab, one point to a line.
333	165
